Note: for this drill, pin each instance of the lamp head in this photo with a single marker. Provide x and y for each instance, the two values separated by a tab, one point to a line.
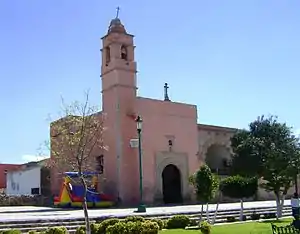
139	123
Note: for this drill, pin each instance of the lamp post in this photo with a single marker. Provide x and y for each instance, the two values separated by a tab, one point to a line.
139	123
295	165
296	185
295	198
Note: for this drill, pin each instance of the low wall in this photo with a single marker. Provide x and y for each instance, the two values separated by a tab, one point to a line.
24	200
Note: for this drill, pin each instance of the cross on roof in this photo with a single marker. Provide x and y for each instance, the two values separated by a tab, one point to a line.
166	92
118	10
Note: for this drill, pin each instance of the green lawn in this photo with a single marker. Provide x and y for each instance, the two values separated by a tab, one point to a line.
242	228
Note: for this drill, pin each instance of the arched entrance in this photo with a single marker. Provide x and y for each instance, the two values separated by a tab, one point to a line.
171	183
218	159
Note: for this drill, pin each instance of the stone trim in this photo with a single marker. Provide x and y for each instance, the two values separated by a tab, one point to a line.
207	127
215	140
180	160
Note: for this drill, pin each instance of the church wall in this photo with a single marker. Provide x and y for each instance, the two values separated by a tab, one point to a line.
129	170
214	136
112	124
210	136
164	121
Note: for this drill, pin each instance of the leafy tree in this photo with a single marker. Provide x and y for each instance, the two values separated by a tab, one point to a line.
74	140
239	187
206	185
244	161
270	150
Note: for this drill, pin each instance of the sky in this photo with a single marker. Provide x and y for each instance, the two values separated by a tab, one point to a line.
234	59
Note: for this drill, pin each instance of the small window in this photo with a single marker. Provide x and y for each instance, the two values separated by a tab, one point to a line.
35	191
99	164
107	55
124	53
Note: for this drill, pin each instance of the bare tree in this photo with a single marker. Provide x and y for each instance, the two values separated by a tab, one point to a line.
74	139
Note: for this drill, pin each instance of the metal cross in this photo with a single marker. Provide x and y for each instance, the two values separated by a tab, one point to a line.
166	92
118	10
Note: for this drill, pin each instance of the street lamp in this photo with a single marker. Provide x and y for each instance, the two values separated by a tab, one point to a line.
295	198
139	124
296	186
295	164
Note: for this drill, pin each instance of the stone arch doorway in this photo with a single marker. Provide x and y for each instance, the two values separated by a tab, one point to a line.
218	158
171	184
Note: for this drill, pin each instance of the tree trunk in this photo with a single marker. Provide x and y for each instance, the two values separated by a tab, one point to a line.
216	212
201	214
279	204
207	213
242	210
282	204
85	208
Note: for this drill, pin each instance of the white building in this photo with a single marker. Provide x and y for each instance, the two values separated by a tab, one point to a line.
25	181
30	179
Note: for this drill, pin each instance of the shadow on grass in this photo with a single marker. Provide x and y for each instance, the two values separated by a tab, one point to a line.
276	221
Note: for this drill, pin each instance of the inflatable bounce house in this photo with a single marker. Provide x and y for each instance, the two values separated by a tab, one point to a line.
72	192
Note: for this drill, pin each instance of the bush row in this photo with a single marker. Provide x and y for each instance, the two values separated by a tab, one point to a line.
130	225
138	224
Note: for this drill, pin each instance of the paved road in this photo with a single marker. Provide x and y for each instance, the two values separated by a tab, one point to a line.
35	213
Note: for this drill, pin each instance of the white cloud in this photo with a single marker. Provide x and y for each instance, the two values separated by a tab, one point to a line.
297	132
32	158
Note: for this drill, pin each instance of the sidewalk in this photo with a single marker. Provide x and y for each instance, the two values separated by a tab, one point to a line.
25	209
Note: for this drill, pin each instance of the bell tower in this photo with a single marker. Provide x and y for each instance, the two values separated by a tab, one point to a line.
118	73
118	65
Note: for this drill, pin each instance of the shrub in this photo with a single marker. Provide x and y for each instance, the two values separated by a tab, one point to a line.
244	218
239	187
12	231
178	221
205	227
32	232
255	216
80	230
159	222
94	228
134	219
134	227
231	219
105	223
206	184
56	230
117	228
165	223
149	227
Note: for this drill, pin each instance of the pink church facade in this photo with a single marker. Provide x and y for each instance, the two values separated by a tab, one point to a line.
174	145
170	135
